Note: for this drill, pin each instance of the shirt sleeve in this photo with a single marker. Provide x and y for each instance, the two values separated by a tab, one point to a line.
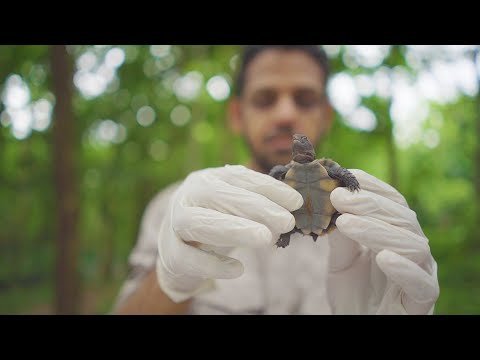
144	254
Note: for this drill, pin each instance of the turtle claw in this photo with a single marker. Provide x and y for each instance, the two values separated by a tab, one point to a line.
283	242
354	188
284	239
352	184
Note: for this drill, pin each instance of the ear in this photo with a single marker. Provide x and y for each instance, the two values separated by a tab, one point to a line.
235	116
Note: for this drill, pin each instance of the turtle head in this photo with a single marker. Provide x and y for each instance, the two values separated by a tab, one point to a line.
303	151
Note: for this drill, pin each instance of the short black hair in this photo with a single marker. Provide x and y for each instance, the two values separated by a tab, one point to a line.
251	51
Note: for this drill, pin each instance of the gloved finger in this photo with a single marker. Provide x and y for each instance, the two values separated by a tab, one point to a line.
378	235
420	289
376	206
233	200
214	228
371	183
195	262
274	190
343	251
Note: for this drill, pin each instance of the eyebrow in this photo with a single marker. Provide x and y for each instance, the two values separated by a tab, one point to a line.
296	89
321	93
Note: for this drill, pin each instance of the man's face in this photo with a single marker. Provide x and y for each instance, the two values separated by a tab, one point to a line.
284	93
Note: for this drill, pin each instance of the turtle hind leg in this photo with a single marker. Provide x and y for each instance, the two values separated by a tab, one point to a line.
332	224
334	218
284	239
335	171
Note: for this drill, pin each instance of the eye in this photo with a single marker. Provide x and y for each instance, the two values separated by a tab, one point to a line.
264	99
306	98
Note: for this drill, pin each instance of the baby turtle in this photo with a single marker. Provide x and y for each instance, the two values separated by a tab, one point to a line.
314	179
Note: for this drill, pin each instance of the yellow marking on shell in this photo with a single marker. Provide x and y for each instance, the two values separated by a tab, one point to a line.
290	182
328	208
290	172
323	220
328	184
320	169
309	206
290	178
319	232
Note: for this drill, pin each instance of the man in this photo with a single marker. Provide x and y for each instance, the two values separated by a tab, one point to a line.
206	244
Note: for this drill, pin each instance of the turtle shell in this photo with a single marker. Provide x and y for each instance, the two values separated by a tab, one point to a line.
312	181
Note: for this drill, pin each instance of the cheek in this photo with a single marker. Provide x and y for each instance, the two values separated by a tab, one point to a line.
255	134
255	128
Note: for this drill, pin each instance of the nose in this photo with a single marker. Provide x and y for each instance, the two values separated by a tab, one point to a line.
286	111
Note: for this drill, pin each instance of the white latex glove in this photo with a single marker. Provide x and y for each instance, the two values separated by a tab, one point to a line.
219	208
380	260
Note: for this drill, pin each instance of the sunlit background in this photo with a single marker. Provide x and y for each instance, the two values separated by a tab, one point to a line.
145	116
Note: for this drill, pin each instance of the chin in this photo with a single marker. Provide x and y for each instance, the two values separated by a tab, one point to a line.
268	161
282	157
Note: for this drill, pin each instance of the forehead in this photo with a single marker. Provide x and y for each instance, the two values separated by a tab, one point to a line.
283	68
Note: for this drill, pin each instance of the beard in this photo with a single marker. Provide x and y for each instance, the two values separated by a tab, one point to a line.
266	162
265	159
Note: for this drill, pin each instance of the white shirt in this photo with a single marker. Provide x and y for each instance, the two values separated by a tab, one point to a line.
289	280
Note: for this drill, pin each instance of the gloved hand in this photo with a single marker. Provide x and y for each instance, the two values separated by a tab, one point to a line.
219	208
380	260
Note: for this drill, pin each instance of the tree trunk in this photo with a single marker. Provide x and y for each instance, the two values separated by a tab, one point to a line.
386	126
194	155
106	266
476	178
391	151
66	191
392	60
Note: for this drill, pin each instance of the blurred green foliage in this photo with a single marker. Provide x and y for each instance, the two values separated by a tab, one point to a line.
118	178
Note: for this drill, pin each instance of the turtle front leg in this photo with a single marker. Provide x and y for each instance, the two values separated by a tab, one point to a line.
279	172
335	171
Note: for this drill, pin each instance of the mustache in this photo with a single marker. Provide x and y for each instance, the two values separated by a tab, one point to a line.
278	132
